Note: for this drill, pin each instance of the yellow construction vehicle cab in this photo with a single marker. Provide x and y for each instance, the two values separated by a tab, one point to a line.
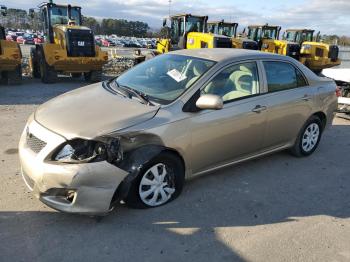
267	37
10	57
230	30
222	28
69	47
188	32
313	53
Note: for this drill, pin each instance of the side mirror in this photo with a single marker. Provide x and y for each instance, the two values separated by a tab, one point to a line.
164	22
31	13
210	102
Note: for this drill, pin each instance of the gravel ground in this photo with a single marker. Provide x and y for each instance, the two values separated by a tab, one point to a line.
278	208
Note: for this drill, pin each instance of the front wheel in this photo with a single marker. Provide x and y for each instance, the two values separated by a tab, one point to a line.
158	183
308	138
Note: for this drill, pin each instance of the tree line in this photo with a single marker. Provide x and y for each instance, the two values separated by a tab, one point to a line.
19	19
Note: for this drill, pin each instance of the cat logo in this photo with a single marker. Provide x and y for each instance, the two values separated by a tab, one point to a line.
81	43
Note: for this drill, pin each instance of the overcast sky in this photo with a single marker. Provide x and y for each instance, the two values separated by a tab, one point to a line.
328	16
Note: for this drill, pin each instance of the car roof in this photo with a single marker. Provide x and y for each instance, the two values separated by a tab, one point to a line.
228	54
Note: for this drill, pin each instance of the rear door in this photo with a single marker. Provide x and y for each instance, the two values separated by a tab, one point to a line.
289	99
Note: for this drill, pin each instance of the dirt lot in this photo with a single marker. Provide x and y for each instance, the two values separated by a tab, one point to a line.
278	208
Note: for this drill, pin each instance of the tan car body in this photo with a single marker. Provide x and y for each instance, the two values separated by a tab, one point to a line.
205	140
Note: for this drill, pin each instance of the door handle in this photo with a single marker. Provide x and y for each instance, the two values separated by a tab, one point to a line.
259	108
306	98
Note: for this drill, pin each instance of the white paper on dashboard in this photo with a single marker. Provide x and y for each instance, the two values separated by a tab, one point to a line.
176	75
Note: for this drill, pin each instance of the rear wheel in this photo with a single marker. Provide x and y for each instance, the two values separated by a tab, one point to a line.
159	182
93	76
308	138
47	73
13	77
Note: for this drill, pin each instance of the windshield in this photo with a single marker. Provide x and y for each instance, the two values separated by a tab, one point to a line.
194	24
227	30
164	78
59	15
291	37
300	36
257	33
269	33
306	36
253	32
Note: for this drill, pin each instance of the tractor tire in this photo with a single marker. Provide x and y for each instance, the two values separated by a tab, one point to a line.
13	77
93	76
33	61
47	73
76	75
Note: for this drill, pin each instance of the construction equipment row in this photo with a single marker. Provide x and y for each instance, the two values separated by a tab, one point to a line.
70	47
190	31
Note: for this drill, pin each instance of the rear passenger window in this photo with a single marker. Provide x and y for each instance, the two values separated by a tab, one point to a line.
282	76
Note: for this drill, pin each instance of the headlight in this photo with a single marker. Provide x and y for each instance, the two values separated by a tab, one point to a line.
306	47
85	151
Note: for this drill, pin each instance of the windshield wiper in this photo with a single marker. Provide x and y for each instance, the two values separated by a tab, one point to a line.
112	85
128	92
141	96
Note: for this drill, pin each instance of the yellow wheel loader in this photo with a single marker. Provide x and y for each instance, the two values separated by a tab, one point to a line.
10	57
69	47
267	38
188	32
230	30
313	53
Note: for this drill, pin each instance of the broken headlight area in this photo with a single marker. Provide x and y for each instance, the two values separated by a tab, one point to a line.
85	151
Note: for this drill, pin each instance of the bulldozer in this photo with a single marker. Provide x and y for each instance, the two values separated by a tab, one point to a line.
68	48
230	30
189	32
267	38
10	57
314	54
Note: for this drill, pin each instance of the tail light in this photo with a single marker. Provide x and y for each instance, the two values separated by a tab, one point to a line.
338	91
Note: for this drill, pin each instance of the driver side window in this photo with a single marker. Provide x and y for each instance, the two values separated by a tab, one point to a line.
235	82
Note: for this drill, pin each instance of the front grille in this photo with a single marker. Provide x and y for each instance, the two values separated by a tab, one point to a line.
80	43
333	53
319	52
222	42
293	50
250	45
34	143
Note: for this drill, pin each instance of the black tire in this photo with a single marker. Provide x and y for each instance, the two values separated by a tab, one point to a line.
76	75
13	77
93	76
298	148
175	176
47	73
34	65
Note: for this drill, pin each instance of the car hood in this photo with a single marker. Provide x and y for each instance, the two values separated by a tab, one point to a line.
91	111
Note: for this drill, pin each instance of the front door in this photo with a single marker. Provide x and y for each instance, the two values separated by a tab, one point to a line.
237	130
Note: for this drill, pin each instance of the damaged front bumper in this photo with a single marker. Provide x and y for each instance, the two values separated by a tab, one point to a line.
86	188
